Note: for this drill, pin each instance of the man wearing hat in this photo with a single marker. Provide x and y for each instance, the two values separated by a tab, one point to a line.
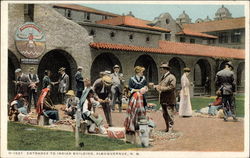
116	89
226	83
21	83
79	82
102	88
71	104
34	80
166	89
63	85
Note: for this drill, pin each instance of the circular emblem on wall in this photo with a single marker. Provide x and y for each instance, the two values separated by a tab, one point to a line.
30	40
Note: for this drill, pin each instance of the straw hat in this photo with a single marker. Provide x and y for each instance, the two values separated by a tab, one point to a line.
165	65
79	68
61	69
186	69
107	80
18	70
230	64
31	68
70	93
139	69
116	66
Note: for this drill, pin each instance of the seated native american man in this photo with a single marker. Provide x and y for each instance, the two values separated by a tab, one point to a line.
45	106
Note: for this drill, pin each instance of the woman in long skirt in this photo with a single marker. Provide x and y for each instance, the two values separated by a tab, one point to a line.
185	103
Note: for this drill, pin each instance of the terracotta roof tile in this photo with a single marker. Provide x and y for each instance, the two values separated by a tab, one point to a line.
83	8
193	33
166	47
132	22
217	25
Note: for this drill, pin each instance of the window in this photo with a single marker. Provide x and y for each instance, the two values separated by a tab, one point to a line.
167	36
167	21
182	39
192	40
112	34
211	41
69	13
29	12
92	32
147	39
131	37
104	17
223	37
87	15
235	36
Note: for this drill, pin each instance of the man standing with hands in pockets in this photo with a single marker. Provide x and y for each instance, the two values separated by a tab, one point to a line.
166	89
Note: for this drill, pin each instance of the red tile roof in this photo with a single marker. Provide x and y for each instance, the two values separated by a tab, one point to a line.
201	50
132	22
217	25
192	33
85	9
166	47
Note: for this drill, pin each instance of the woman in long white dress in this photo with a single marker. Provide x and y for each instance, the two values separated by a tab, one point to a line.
185	108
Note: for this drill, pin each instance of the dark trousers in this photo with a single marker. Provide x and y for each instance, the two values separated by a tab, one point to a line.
33	93
107	112
168	115
78	94
228	105
116	94
61	98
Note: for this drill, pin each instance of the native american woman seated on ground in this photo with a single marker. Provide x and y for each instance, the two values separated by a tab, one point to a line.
86	106
45	106
16	106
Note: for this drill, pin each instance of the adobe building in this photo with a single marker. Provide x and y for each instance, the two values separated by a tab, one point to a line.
53	36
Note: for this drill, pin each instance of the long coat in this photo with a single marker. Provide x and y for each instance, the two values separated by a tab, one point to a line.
185	108
167	86
63	83
79	81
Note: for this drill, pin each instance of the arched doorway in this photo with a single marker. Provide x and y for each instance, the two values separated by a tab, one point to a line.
177	66
52	61
202	70
241	77
13	64
103	62
151	72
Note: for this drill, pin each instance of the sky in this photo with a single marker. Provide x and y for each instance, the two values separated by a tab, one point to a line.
150	11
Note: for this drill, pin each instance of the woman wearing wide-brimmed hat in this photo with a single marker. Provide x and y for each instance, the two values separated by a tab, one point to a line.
185	108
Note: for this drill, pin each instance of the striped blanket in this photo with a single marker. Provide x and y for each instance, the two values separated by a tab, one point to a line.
134	111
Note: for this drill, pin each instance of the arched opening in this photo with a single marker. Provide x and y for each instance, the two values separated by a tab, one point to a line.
241	77
177	66
13	64
202	70
53	60
151	72
103	62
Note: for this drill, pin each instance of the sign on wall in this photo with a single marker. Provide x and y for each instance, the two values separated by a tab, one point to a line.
30	40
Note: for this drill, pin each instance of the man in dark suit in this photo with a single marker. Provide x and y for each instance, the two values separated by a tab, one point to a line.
166	89
79	82
226	83
34	80
63	85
